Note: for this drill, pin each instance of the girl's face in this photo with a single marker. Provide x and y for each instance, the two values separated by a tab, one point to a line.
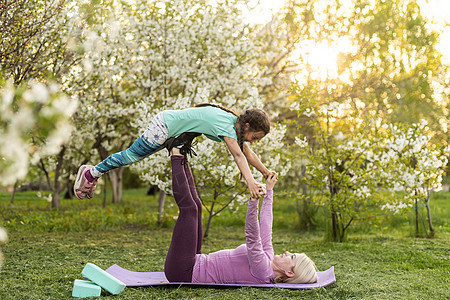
253	136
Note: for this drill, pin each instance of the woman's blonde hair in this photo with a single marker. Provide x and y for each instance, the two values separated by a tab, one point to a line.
305	271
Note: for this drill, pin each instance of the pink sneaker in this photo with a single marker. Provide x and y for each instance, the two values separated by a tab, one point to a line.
82	187
90	193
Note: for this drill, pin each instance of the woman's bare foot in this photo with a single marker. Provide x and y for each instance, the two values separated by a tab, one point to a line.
175	151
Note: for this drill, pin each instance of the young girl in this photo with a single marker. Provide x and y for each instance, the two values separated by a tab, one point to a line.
252	262
216	122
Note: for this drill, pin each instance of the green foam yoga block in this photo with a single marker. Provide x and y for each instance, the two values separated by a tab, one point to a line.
83	288
103	279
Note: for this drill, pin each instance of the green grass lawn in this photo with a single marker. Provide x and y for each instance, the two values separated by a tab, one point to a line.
48	249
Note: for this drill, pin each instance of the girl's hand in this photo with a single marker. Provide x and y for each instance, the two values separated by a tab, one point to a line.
271	180
256	190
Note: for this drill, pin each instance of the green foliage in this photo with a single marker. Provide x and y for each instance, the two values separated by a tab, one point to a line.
388	65
402	63
389	71
31	210
352	165
30	213
33	44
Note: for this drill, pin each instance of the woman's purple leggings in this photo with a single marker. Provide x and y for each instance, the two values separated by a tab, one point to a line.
188	231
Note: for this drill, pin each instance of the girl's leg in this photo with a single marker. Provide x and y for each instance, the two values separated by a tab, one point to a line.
180	258
148	143
198	202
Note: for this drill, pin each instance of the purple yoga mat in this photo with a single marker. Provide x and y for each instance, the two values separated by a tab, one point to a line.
134	279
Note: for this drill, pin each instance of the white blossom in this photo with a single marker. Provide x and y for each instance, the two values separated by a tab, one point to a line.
401	161
395	208
309	112
295	106
17	149
340	136
363	191
38	92
242	199
332	106
302	143
203	62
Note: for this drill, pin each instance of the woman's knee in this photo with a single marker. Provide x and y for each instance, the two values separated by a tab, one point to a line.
199	206
176	275
191	209
178	268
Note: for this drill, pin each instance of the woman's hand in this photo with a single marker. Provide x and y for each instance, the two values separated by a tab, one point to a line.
268	173
271	180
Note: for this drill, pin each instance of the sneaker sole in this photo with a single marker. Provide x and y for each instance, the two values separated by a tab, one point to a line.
78	180
93	188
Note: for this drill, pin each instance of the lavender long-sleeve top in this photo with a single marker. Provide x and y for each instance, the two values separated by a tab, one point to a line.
248	263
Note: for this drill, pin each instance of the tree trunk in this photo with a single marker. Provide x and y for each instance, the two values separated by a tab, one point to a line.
69	187
209	220
335	226
56	201
11	201
115	178
430	222
105	188
303	175
161	200
304	211
57	188
416	208
334	218
344	228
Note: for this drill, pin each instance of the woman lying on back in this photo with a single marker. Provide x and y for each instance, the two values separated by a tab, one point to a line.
252	262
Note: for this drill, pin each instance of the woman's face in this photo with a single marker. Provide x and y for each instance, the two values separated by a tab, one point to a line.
284	263
253	136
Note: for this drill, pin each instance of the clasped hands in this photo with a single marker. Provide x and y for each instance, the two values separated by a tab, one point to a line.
261	188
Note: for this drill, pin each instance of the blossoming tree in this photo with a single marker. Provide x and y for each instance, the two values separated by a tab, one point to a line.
106	83
353	166
338	165
140	58
418	166
193	52
34	48
30	111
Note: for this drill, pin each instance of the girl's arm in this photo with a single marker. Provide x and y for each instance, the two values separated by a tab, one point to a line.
241	161
254	160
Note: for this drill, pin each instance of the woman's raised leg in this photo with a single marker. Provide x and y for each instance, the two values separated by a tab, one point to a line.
197	200
180	258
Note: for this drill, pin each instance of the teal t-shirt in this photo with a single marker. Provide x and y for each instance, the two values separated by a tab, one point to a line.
213	122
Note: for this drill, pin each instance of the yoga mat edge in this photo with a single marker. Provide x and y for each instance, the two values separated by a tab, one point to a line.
135	279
